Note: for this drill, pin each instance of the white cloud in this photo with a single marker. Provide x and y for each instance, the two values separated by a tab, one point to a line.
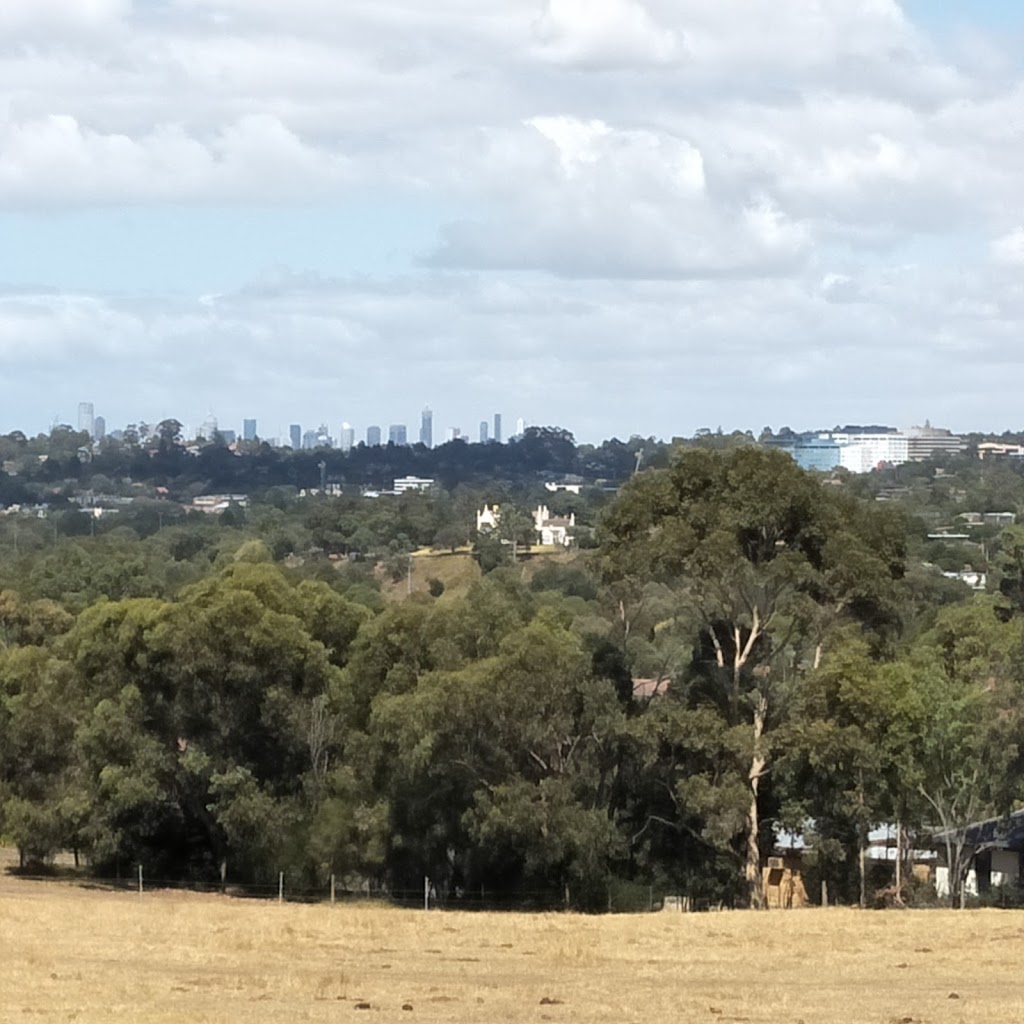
59	16
56	160
1009	249
782	185
603	33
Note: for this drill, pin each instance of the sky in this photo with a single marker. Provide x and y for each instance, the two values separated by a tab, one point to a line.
616	216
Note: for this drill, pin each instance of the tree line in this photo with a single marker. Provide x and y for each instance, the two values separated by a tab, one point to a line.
244	713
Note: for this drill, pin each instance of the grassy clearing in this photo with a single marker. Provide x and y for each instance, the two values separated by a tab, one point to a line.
458	570
74	954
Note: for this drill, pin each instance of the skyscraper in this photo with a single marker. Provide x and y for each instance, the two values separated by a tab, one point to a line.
497	428
427	428
295	436
248	430
347	440
373	437
520	427
86	420
483	431
397	434
99	428
209	427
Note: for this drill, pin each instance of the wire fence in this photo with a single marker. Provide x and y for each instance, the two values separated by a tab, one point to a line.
618	898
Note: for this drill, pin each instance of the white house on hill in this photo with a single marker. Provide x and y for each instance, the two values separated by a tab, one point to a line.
488	518
553	531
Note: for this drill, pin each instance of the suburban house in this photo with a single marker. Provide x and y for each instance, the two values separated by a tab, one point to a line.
994	848
553	531
488	518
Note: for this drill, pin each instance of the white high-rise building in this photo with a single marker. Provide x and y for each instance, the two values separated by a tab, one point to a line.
861	453
86	418
347	439
208	428
520	427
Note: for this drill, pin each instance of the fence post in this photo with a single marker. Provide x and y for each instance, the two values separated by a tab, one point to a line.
280	887
140	879
426	892
824	893
332	890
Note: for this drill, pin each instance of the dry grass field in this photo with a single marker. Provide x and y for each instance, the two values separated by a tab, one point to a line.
74	954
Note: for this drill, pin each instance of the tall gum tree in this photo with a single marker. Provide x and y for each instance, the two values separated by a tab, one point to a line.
755	551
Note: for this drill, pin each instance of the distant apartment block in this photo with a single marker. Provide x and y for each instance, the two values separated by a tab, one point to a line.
818	454
995	450
212	504
295	436
373	437
925	442
861	451
412	483
427	428
248	430
397	434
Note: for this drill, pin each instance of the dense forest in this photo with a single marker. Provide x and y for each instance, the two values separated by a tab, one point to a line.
223	698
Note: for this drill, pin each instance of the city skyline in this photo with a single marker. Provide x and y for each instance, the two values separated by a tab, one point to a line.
812	447
295	435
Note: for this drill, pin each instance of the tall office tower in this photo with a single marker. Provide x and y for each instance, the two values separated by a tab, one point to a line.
497	428
86	420
295	436
248	430
99	428
427	428
209	427
483	431
520	427
309	439
397	434
348	437
373	437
